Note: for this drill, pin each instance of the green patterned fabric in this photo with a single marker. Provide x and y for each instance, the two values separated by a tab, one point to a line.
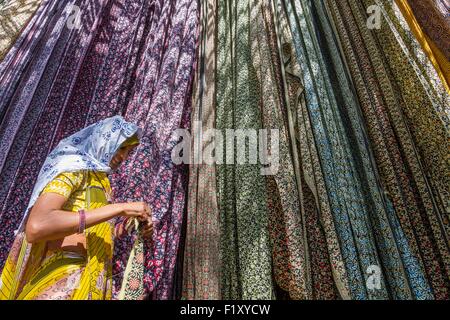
287	230
348	194
367	226
245	244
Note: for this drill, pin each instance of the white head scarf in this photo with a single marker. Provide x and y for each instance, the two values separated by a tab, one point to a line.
91	148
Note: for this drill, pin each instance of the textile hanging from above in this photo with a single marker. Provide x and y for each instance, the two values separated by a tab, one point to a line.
393	113
14	16
132	58
160	103
350	174
306	162
202	264
326	209
434	19
245	242
345	128
430	22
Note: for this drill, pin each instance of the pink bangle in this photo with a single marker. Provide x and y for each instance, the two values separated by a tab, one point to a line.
82	224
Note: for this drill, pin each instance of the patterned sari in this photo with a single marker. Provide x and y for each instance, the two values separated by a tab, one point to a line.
34	272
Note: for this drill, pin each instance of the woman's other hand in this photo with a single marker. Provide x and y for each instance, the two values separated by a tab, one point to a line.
147	227
139	210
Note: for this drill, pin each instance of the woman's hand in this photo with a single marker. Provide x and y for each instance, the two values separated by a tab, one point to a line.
142	212
139	210
147	227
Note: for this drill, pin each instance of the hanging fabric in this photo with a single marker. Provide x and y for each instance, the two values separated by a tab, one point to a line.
160	102
346	175
245	242
307	167
368	230
131	58
14	16
202	264
385	110
432	15
428	19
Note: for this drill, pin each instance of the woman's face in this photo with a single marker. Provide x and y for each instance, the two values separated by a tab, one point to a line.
120	156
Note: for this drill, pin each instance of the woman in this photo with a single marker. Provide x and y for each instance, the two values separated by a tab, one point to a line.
64	247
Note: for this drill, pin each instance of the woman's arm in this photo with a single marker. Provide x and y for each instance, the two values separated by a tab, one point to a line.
48	222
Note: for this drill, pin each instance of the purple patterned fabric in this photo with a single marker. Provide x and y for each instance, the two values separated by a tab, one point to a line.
160	104
134	58
30	80
42	137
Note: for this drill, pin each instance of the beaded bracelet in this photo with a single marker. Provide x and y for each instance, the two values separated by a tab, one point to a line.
82	224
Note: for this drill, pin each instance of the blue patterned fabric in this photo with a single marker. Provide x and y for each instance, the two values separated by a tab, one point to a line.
367	225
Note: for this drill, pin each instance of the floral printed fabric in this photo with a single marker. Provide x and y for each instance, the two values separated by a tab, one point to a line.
202	265
434	19
88	149
363	120
133	285
396	107
436	56
245	242
315	200
160	104
368	230
134	58
69	185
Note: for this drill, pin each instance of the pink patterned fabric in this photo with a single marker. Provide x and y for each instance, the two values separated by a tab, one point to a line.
161	104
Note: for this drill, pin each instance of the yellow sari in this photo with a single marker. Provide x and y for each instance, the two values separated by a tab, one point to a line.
32	272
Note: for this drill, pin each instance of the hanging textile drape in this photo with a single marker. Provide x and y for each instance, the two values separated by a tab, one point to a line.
301	263
368	230
132	58
245	244
31	105
359	180
308	171
160	104
418	60
201	272
430	22
286	227
14	15
434	19
390	102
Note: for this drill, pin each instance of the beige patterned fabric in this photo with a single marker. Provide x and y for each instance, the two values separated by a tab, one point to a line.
14	15
201	278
